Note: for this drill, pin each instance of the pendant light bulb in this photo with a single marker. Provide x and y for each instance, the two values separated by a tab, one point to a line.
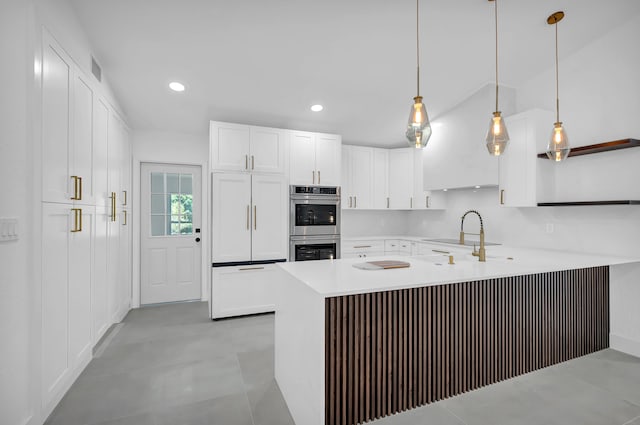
558	148
497	136
418	127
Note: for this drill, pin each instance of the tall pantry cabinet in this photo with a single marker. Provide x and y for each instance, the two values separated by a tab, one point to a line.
84	280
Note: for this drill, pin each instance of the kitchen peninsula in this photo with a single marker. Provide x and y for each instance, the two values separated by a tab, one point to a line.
354	345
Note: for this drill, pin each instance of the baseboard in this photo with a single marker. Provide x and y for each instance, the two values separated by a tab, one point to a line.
625	345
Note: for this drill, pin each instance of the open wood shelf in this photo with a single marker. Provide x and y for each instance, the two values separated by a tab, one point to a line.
583	203
600	147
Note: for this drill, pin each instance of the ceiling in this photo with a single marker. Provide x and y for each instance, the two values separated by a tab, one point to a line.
266	62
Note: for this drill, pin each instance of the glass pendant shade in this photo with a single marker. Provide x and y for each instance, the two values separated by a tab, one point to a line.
497	136
418	127
558	148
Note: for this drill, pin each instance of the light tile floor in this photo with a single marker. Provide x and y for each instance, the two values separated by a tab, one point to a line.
171	365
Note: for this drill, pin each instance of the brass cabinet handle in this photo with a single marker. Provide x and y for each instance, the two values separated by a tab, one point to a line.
250	268
246	162
387	202
314	176
355	202
426	201
411	202
75	196
318	177
77	220
125	217
252	162
362	246
255	217
124	202
113	206
440	251
248	219
350	201
80	189
502	197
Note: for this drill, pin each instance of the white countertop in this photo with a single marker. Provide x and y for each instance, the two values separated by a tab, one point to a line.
338	277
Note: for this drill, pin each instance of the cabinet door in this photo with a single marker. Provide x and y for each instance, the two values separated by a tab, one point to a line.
243	290
56	225
361	170
114	162
56	111
82	151
302	158
328	149
100	152
270	201
100	290
231	216
346	195
113	267
380	182
124	282
268	147
80	275
401	178
229	146
125	168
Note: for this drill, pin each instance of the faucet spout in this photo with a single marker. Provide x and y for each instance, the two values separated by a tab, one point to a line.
481	253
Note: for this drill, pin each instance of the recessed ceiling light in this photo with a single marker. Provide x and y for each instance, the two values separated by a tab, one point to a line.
477	187
176	86
444	190
317	108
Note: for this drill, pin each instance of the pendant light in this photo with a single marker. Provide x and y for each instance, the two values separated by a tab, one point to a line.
558	147
418	127
497	136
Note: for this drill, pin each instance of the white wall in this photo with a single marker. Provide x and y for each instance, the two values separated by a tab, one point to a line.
16	278
170	148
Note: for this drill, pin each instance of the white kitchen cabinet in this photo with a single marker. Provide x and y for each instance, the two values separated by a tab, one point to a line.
362	248
67	256
380	181
100	317
67	139
424	199
401	178
101	152
397	246
240	290
236	147
358	177
346	199
249	214
314	158
519	165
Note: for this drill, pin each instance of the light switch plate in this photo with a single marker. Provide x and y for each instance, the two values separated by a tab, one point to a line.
8	229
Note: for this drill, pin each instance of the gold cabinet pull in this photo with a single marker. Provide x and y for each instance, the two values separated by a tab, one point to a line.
113	206
124	202
411	202
246	162
318	177
248	218
350	202
255	217
125	217
77	220
76	196
426	201
387	202
244	269
355	201
502	197
314	176
252	162
362	246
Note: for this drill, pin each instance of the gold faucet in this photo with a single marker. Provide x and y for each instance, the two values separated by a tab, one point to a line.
482	253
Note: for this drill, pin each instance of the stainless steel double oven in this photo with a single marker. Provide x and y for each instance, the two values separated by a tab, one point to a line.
314	223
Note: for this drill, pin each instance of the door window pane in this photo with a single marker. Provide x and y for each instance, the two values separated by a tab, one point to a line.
171	204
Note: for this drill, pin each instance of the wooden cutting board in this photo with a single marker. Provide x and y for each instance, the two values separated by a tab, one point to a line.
382	265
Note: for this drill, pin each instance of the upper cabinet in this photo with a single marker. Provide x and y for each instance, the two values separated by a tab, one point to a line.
401	178
314	158
380	180
357	177
521	172
247	148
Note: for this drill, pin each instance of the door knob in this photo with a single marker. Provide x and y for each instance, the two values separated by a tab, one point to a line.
197	239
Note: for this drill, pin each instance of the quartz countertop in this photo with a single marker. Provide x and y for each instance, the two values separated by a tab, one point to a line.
338	277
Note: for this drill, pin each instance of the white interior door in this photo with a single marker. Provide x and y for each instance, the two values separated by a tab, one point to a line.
170	239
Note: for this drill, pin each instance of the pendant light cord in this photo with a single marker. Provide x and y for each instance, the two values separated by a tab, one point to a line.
418	47
496	16
557	90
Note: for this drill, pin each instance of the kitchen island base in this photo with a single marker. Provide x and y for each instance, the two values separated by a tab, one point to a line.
365	356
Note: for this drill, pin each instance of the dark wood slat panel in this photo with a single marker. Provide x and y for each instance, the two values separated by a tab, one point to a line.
391	351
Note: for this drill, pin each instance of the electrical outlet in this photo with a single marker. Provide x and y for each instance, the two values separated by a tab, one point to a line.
8	229
550	228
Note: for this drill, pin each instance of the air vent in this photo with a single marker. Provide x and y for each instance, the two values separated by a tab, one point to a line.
95	69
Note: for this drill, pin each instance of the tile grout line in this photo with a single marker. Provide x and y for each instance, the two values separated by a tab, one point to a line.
454	415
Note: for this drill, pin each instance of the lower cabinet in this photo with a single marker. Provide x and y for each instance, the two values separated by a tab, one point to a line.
67	256
397	247
241	290
362	248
